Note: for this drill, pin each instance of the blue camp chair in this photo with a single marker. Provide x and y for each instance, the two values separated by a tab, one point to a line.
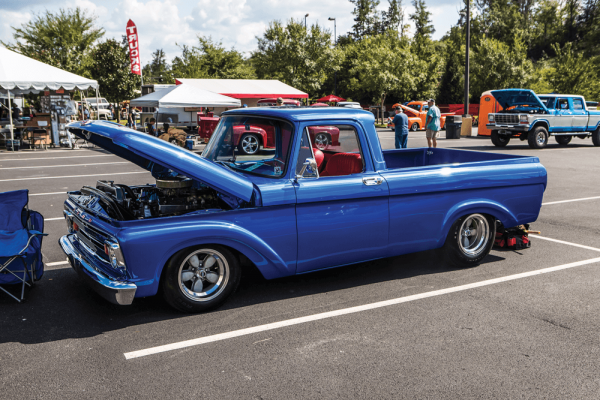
21	232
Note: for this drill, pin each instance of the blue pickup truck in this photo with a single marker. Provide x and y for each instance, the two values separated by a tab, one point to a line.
535	118
288	210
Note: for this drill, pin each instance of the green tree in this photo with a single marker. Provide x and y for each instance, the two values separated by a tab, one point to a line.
366	18
111	68
393	18
211	60
496	65
574	73
63	39
422	20
450	90
158	70
299	57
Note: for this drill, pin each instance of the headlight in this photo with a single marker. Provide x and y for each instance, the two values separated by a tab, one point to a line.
523	119
491	117
113	251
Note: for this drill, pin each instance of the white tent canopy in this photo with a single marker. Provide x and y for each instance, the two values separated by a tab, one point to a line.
184	96
20	74
245	88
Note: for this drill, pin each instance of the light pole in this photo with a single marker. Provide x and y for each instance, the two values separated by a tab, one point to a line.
468	22
305	27
335	41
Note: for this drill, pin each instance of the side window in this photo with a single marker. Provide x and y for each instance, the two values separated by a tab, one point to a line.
336	149
425	108
563	104
577	104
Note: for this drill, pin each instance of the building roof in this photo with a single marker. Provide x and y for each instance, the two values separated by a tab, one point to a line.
246	88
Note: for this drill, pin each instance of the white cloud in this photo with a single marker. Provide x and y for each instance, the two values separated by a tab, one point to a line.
12	19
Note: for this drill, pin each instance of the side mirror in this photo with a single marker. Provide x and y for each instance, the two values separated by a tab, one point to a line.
309	169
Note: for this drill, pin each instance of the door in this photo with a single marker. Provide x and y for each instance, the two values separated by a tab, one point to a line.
564	122
342	214
580	115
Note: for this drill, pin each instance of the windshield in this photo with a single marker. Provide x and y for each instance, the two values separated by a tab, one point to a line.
547	101
255	145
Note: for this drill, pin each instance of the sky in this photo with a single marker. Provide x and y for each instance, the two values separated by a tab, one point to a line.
168	24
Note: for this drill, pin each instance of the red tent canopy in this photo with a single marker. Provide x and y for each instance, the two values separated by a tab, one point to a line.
319	105
331	98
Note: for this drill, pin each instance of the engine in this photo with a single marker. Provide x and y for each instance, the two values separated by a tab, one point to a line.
173	196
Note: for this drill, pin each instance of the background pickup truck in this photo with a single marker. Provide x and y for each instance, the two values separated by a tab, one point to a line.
290	210
535	118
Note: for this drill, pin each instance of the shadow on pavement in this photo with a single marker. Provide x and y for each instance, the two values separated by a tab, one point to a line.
63	307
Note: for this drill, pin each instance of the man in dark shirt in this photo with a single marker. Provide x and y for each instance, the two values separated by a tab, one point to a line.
152	128
401	126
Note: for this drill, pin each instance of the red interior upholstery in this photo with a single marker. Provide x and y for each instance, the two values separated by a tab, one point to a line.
343	164
319	157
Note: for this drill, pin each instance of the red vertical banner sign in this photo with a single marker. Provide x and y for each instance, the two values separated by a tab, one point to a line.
134	48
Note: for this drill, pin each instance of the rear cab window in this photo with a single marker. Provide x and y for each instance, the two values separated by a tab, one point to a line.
578	104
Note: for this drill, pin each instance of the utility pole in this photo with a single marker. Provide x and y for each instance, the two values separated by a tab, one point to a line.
468	22
305	26
335	41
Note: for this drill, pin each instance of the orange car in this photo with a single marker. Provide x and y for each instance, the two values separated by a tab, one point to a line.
419	109
413	121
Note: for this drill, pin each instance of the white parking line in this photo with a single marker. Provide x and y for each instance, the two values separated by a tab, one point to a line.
563	242
53	264
569	201
56	158
69	165
74	176
346	311
46	194
6	153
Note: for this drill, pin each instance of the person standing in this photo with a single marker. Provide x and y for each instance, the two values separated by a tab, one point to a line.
400	123
86	113
131	119
432	124
152	128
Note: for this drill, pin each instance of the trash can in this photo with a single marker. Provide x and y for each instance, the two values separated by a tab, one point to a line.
13	145
189	144
453	126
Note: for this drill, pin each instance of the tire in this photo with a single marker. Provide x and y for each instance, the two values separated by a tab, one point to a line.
464	253
322	141
499	140
249	144
563	140
538	139
596	137
218	281
414	127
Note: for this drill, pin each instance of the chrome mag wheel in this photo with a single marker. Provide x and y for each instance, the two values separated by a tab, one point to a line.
250	144
321	141
474	235
540	138
203	275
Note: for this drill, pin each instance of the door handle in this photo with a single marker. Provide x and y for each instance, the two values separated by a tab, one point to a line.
372	181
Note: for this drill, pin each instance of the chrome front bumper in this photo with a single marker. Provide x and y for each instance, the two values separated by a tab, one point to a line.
116	292
512	128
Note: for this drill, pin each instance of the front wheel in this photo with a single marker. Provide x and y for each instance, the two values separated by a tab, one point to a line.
201	278
538	139
414	127
249	144
596	137
470	240
563	140
500	140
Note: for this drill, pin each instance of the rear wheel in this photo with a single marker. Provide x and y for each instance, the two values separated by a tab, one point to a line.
538	139
470	240
596	137
200	278
321	141
499	140
249	144
414	127
563	140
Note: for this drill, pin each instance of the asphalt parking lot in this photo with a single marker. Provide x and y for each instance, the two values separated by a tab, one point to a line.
524	324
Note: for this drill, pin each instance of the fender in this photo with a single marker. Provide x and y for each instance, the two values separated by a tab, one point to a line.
269	263
540	122
480	206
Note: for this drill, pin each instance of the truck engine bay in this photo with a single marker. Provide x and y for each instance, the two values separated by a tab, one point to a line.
168	197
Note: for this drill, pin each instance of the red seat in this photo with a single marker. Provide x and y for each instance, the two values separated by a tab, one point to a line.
343	164
319	157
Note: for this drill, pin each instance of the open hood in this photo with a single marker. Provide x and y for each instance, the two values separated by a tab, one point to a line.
517	97
158	156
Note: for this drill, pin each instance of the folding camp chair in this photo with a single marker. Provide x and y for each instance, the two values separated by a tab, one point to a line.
21	232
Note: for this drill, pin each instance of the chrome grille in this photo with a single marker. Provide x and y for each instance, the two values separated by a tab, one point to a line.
506	118
91	237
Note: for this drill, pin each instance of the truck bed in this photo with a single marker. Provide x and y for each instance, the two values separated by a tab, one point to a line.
424	157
